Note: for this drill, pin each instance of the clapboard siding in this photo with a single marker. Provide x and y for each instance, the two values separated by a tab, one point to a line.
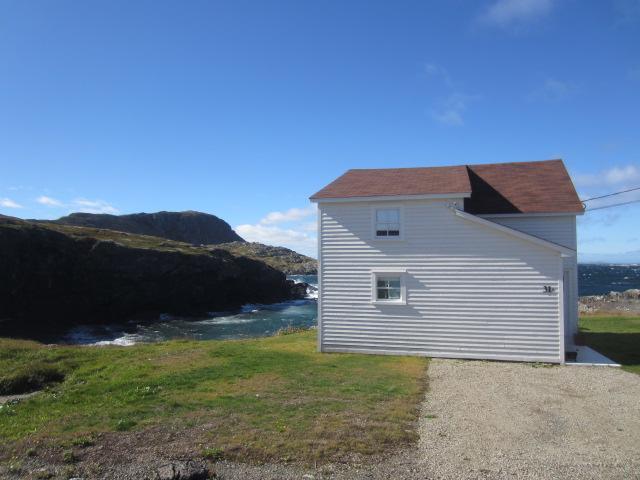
560	229
472	291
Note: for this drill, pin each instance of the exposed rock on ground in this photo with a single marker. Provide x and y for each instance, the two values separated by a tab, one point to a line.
612	302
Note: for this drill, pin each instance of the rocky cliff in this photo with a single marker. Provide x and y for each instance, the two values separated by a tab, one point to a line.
283	259
192	227
52	274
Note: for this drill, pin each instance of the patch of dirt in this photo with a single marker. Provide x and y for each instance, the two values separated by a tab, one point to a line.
16	398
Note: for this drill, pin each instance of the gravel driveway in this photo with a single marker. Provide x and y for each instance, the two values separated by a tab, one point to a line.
510	420
495	420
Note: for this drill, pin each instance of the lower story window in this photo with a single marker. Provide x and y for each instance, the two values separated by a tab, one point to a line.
388	288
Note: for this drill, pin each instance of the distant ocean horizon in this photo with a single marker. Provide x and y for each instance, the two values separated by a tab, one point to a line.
601	278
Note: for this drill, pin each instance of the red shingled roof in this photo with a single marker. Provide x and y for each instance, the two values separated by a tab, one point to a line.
520	187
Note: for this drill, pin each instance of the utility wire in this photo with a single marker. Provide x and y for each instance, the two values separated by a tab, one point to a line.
610	194
610	206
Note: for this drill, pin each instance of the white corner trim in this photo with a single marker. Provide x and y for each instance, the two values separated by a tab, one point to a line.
392	198
566	252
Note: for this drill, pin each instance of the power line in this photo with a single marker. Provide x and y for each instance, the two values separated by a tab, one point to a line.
610	206
610	194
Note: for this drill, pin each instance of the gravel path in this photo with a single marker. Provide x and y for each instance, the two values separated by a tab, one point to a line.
495	420
510	420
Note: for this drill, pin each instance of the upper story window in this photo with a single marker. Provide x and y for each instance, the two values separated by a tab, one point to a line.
387	222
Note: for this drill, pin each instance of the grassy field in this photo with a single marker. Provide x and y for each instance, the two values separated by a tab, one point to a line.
263	399
616	337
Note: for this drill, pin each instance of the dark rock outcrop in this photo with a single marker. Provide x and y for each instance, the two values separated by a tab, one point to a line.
52	274
285	260
192	227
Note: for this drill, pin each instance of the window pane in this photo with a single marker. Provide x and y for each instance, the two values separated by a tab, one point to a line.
393	233
388	215
388	288
394	293
381	233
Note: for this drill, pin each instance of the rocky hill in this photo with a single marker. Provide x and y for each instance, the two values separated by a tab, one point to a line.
192	227
283	259
53	274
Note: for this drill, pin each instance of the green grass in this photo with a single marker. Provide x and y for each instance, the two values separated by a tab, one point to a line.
615	337
263	399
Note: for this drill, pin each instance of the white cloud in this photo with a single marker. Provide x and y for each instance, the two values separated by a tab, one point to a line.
627	11
299	236
295	240
310	227
452	108
611	177
291	215
432	70
49	201
504	13
8	203
612	180
553	89
93	206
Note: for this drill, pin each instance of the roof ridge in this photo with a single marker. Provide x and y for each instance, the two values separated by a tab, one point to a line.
460	165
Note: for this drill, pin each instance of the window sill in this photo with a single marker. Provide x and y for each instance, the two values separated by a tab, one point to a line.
389	302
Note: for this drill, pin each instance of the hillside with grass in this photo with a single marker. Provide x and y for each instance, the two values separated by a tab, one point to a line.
104	409
54	274
193	227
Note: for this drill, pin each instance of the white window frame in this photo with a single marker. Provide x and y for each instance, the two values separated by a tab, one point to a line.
374	210
401	274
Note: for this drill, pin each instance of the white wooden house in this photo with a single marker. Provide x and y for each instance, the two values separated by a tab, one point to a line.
471	261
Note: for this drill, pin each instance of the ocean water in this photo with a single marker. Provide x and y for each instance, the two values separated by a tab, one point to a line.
265	320
249	322
598	279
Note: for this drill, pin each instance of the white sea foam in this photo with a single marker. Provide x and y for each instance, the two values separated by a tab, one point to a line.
125	341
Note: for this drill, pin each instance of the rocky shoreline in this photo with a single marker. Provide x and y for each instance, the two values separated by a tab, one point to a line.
54	276
627	302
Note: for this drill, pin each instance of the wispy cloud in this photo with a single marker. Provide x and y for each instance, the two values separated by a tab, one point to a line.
613	180
432	70
298	234
452	108
449	109
553	90
93	206
507	13
8	203
49	201
626	11
613	176
291	215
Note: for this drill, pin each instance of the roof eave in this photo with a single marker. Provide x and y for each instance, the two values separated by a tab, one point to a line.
390	198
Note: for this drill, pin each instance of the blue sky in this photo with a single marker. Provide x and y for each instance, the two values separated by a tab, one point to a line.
244	109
